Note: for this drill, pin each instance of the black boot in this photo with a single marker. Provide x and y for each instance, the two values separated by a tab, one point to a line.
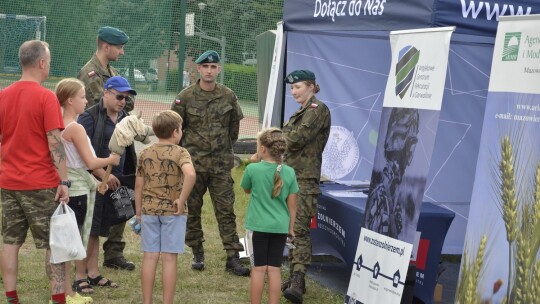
198	260
295	292
287	283
234	266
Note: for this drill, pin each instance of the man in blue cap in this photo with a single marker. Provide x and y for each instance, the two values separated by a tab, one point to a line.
99	122
110	46
94	74
211	123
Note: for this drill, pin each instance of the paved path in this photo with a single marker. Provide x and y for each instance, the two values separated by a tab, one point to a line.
249	126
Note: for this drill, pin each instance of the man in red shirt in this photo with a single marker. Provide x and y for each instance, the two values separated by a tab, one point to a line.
33	174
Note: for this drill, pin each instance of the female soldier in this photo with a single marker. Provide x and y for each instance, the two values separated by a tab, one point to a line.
306	133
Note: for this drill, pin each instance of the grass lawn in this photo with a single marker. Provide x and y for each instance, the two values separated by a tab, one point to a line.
213	285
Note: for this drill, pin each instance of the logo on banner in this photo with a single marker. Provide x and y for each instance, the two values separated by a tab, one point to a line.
341	154
511	46
407	60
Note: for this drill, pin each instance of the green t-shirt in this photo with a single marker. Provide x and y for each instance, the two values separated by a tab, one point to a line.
267	214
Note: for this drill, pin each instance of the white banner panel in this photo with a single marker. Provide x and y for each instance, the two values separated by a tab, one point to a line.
406	138
501	261
516	53
418	70
380	269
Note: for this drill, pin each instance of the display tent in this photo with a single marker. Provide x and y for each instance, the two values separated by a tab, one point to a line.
346	44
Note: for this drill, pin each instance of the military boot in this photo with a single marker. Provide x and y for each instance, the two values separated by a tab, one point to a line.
234	266
287	283
296	291
198	261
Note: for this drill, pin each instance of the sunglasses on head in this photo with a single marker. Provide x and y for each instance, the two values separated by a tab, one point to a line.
119	97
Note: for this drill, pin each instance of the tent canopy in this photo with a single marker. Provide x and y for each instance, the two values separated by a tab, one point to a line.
345	42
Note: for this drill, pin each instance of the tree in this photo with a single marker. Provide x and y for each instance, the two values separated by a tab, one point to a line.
146	22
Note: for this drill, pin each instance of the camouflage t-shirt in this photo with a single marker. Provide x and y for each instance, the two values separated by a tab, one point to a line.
161	167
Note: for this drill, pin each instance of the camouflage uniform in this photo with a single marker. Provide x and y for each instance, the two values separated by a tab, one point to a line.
94	76
306	132
211	126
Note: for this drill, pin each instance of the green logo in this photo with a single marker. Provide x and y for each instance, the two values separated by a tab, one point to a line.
511	46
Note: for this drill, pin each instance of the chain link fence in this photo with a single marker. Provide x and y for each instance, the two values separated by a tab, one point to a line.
151	58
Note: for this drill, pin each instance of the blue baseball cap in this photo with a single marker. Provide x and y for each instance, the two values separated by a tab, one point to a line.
120	84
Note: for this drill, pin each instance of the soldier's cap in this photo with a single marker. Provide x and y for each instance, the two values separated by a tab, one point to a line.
208	57
299	75
120	84
112	35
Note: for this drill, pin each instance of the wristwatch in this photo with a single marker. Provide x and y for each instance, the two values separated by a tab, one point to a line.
66	183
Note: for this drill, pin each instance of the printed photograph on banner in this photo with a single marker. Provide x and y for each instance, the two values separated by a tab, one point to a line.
398	180
379	272
502	247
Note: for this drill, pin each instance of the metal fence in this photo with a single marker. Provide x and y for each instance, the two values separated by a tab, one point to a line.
151	58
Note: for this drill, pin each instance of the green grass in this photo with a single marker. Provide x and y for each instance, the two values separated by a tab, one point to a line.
213	285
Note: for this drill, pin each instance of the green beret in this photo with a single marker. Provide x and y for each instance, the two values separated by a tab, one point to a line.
299	75
112	35
208	57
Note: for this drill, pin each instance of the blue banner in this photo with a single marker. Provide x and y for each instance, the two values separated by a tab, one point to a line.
331	15
472	17
476	17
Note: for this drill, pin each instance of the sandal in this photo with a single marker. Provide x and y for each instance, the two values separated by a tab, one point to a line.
97	282
82	288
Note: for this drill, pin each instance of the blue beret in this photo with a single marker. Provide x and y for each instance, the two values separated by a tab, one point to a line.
208	57
112	35
299	75
120	84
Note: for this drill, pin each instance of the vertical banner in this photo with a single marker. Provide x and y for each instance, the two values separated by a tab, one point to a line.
408	126
276	79
500	262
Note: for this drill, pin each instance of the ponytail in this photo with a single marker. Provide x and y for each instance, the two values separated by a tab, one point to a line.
278	182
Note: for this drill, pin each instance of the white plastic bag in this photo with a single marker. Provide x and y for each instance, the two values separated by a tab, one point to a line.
64	238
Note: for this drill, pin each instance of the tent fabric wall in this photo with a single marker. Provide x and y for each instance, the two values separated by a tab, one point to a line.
352	70
345	42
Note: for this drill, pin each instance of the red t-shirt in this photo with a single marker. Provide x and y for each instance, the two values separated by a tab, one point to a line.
27	112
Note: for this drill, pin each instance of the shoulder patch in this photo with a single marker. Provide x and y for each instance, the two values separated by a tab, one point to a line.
313	105
177	101
91	73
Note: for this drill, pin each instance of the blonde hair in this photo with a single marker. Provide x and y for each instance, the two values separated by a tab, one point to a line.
165	123
67	88
274	141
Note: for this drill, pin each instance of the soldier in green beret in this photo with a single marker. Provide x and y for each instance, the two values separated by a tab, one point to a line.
306	133
94	74
211	115
110	46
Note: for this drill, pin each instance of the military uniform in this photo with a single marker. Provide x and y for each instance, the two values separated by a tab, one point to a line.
211	126
306	132
94	76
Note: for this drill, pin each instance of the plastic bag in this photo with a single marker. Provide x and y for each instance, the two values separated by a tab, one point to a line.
64	237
